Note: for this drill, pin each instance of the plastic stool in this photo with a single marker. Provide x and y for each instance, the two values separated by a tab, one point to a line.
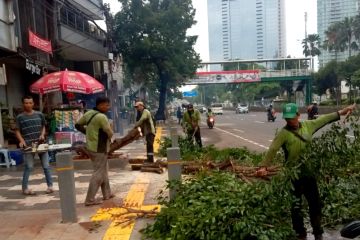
7	158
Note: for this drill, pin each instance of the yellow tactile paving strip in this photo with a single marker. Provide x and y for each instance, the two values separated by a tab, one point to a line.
134	200
157	139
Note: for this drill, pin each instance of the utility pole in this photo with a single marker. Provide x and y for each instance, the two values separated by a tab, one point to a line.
113	91
305	16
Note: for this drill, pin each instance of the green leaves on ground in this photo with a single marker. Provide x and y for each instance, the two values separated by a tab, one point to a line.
218	206
215	205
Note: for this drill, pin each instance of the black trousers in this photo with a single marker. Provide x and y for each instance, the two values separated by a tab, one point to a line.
306	186
150	147
197	136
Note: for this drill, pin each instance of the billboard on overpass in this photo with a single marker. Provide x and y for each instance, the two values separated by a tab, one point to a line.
237	76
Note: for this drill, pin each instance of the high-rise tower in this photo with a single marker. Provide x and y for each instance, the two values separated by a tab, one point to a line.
246	29
329	12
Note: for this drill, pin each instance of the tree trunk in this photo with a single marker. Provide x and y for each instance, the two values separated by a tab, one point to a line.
160	114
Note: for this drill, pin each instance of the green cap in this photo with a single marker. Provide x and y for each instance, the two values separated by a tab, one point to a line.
290	110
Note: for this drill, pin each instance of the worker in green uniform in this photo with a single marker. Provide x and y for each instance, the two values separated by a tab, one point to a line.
146	123
191	124
293	138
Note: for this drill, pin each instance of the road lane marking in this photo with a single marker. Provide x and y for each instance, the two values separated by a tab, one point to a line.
259	122
238	130
245	139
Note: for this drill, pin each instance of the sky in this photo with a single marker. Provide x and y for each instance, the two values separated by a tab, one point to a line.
295	24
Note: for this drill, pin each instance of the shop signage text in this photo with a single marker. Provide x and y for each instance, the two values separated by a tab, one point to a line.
39	43
32	67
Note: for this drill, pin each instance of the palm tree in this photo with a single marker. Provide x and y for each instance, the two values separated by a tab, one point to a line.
347	34
334	39
356	28
311	46
335	42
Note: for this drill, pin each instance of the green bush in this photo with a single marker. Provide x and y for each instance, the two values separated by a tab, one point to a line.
215	205
219	206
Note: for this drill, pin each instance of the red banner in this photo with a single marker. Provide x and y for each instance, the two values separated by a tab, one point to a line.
39	43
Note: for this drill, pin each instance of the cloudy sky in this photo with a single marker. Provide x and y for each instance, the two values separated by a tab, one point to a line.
295	24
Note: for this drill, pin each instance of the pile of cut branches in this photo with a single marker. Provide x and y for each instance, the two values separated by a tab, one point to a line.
241	171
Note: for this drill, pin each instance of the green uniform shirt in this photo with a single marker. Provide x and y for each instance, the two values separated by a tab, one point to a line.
292	144
146	123
194	119
98	132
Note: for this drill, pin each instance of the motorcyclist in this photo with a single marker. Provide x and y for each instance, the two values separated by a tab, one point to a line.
270	112
209	113
210	118
313	111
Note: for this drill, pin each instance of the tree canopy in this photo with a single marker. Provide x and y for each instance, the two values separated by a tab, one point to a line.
151	36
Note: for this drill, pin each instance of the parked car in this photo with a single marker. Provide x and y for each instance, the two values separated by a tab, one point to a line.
242	108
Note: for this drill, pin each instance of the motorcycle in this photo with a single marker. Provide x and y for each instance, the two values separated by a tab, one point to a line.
351	230
210	122
271	116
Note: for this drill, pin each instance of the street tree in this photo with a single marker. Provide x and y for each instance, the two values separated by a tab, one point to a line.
151	36
347	31
334	41
342	36
311	47
327	78
349	70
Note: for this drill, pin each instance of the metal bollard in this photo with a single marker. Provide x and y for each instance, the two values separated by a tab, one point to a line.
65	170
174	137
174	167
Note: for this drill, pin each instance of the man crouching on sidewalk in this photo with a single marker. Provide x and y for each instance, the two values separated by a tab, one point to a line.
98	135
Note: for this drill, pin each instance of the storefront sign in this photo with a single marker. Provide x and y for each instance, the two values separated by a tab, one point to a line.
39	43
32	67
238	76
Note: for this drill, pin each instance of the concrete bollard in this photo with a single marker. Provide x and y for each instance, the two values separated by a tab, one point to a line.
174	137
174	167
66	179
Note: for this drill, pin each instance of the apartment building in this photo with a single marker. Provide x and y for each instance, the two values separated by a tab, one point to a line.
329	12
242	29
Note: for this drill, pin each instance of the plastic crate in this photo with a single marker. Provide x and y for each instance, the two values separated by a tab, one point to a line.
17	156
64	137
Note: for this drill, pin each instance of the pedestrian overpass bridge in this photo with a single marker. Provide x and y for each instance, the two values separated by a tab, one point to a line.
297	70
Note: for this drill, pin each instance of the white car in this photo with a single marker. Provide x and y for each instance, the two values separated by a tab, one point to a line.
242	108
217	108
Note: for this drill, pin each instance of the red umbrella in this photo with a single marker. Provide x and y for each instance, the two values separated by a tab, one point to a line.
67	81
